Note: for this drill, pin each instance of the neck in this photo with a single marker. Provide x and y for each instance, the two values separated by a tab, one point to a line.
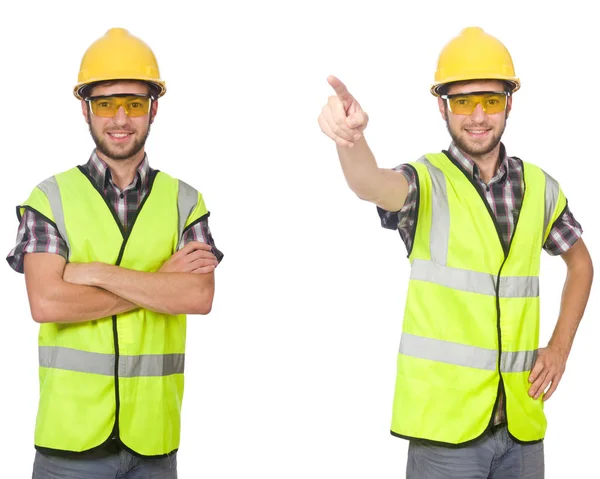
123	171
488	164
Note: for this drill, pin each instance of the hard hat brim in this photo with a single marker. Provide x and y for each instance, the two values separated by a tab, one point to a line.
159	84
514	82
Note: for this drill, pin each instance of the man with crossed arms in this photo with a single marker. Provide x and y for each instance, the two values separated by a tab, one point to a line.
115	254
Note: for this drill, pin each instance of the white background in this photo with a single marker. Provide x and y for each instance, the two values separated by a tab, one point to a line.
292	374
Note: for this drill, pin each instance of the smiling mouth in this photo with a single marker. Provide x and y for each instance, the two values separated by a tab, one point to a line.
477	132
119	136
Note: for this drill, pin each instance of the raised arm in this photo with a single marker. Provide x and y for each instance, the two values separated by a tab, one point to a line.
343	120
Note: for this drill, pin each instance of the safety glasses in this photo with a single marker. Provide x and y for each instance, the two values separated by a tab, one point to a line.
106	106
465	103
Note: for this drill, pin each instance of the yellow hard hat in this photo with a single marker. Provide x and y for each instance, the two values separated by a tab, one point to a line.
118	55
474	55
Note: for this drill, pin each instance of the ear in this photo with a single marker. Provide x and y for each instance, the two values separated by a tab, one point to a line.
153	110
442	107
85	111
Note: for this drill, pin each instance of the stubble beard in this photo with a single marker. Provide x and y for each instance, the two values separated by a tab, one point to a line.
472	149
119	154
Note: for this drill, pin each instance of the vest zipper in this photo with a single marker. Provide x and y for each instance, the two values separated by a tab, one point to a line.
115	432
506	249
115	435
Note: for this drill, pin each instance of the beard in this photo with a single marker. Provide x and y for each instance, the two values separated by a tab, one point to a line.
119	153
475	148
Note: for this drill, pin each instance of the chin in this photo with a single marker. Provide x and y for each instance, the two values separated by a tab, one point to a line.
480	149
475	148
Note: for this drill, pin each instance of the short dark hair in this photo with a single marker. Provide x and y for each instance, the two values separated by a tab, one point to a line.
86	90
443	89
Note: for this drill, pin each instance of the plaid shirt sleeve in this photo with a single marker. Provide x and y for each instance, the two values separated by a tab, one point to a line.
35	235
564	233
200	231
405	219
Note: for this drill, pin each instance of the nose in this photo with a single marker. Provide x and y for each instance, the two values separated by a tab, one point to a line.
120	117
478	114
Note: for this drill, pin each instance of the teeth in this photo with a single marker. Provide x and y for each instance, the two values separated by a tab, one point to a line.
119	135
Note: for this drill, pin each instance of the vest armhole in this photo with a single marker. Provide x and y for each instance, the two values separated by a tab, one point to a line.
41	215
413	232
558	218
194	223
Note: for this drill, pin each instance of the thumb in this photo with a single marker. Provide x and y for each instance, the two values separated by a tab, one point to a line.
358	119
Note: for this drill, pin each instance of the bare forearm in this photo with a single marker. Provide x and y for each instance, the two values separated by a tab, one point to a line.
360	168
574	300
73	303
385	188
170	293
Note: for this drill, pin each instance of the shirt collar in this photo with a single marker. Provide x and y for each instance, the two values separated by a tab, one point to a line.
470	167
100	172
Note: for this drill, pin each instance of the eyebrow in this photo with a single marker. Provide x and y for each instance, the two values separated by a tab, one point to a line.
485	92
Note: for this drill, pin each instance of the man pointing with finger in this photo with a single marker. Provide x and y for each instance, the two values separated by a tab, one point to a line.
115	254
471	380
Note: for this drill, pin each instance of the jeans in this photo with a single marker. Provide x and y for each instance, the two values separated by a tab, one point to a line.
493	456
104	465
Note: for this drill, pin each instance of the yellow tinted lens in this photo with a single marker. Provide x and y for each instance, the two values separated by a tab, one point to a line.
104	107
494	103
466	104
463	105
137	106
107	107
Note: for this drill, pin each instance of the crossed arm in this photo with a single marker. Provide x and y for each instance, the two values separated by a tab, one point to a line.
76	292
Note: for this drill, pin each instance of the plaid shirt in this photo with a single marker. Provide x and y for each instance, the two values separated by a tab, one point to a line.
36	235
504	193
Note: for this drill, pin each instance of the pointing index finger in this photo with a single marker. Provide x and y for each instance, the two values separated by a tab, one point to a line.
340	89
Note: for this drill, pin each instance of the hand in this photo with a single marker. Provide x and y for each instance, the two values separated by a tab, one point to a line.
342	119
548	369
194	257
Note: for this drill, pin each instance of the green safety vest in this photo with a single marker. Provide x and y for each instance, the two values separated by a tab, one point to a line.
471	320
119	377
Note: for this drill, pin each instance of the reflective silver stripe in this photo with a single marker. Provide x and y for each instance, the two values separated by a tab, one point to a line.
474	281
552	190
448	352
519	287
187	199
50	189
104	364
463	355
518	361
76	360
461	279
439	235
151	365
